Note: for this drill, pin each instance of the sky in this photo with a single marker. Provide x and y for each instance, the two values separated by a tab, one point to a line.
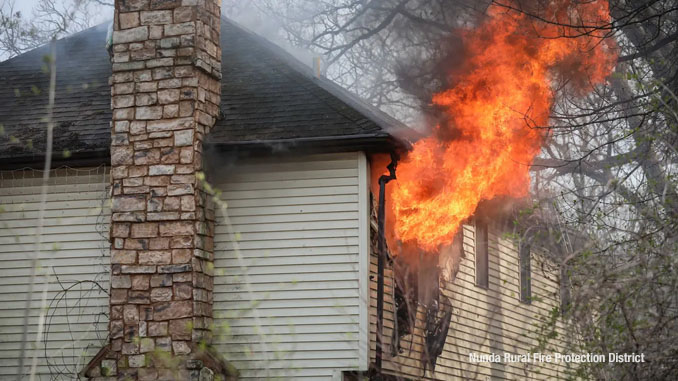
26	7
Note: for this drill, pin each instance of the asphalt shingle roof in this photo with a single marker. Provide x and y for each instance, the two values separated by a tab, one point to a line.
82	109
267	96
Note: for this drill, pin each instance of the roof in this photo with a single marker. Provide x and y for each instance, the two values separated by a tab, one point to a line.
82	111
268	99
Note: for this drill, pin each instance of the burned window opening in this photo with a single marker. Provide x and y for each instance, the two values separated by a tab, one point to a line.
406	300
420	288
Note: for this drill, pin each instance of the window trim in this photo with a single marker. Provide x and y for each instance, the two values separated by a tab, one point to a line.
363	260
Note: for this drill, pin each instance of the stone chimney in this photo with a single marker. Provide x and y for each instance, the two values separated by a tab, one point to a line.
165	90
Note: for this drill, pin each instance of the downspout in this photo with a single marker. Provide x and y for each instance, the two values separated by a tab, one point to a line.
382	258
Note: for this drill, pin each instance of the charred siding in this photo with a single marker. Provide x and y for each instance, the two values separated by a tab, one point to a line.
491	320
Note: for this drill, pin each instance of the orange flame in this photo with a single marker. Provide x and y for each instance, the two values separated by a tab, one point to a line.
503	94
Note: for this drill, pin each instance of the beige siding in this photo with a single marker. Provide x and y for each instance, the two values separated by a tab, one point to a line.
74	257
290	306
484	321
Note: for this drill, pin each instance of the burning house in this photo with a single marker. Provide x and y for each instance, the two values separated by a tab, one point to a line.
219	211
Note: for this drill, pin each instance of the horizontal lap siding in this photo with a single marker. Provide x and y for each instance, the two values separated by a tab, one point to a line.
287	302
74	256
483	321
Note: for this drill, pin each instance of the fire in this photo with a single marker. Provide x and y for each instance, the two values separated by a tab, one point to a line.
491	129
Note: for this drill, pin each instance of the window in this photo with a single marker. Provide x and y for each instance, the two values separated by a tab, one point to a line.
564	289
525	274
482	262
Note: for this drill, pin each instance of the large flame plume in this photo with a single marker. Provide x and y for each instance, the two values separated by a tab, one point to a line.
494	116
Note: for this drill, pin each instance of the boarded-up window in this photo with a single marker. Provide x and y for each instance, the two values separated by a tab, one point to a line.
525	274
482	262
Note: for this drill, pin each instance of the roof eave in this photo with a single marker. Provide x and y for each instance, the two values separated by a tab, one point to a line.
371	143
92	158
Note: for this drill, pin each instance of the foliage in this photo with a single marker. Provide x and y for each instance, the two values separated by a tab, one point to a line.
50	18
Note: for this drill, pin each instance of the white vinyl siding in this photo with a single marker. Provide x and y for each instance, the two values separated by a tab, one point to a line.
293	303
73	265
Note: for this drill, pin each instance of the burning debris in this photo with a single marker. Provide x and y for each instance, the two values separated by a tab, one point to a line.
437	324
492	124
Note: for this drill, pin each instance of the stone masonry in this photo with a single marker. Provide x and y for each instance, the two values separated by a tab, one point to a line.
165	91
